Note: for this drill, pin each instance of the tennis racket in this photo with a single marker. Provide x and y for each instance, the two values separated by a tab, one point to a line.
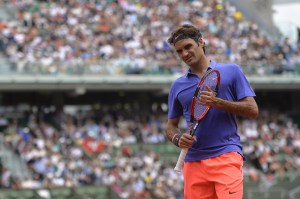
212	79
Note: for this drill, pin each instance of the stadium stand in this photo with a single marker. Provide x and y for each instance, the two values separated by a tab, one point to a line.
41	39
48	151
57	154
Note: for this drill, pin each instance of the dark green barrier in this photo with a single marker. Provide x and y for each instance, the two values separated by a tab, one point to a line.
95	192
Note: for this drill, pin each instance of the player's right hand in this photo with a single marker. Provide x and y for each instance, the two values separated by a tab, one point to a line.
186	140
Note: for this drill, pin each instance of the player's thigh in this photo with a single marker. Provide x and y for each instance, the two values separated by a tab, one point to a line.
230	179
196	184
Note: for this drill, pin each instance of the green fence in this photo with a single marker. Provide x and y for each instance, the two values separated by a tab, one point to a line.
95	192
282	190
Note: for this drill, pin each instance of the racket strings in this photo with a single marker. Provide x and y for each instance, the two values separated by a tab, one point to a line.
210	81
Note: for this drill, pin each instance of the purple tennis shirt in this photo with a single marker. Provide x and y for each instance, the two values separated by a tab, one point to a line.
217	131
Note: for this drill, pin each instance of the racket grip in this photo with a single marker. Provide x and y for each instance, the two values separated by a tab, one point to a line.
179	165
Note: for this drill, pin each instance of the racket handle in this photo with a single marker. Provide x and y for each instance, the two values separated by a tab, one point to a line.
179	165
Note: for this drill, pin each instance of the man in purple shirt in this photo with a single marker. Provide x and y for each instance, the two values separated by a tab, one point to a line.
213	165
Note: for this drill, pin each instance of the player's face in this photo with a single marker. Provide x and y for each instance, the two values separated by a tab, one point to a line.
189	51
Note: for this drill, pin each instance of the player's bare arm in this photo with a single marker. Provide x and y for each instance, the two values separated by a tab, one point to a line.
246	107
172	128
186	140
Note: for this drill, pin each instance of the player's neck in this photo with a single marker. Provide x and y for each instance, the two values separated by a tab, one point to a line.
201	67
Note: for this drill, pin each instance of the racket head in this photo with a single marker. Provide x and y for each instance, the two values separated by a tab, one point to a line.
211	79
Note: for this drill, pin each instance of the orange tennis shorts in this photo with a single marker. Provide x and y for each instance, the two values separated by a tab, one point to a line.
220	177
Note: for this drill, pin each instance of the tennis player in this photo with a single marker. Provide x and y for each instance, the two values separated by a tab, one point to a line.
213	165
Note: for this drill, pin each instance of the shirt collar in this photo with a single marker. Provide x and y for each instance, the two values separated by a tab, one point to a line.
212	65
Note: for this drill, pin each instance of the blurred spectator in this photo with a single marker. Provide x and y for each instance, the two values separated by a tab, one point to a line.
56	155
129	37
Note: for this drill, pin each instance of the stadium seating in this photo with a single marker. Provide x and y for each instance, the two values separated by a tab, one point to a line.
129	156
42	39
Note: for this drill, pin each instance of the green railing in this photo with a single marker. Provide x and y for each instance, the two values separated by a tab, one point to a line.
252	190
95	192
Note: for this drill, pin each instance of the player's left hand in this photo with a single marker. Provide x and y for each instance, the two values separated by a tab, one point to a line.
207	97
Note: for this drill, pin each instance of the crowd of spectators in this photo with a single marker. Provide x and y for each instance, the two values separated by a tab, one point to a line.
93	147
271	144
52	144
130	37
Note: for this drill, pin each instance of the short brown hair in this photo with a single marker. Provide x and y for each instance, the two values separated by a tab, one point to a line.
183	32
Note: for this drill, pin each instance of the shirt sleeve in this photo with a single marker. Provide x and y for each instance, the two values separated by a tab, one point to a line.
242	86
174	106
